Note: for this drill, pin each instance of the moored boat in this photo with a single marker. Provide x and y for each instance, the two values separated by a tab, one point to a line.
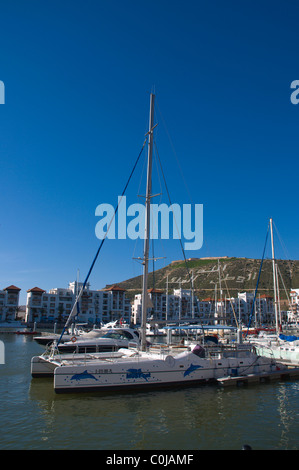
112	340
167	367
149	367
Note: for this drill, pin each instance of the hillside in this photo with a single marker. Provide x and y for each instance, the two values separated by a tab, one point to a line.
237	275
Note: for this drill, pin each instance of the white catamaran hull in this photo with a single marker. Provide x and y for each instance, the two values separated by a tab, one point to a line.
44	365
145	371
285	353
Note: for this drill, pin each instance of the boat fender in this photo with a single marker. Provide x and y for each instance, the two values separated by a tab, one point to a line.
73	339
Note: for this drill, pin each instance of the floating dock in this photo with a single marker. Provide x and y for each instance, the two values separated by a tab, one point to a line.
283	374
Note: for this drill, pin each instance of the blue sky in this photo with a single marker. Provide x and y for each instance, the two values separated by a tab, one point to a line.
77	78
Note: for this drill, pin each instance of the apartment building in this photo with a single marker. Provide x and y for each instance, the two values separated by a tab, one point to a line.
162	307
293	315
228	310
9	303
95	306
179	307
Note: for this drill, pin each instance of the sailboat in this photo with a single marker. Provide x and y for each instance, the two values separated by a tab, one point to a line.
147	367
278	346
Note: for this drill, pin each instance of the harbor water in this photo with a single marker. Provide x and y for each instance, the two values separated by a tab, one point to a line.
264	416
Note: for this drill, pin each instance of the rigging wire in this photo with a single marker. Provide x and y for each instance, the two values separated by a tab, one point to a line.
282	244
174	151
257	283
285	290
73	311
230	301
180	240
178	164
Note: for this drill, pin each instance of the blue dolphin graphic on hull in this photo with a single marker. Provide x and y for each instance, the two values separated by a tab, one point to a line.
137	374
191	369
84	375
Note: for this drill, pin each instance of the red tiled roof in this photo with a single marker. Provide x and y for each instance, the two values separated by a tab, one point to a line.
155	291
115	288
36	289
12	287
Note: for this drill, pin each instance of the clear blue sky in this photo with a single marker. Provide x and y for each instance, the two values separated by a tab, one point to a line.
77	77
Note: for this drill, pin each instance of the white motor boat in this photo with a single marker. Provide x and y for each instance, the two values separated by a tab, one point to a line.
112	340
77	332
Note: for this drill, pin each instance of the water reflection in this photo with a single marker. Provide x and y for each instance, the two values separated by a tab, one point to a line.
34	417
196	418
288	414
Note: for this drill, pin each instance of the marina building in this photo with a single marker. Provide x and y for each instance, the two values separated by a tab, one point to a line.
294	312
110	304
9	303
95	306
228	310
182	306
162	307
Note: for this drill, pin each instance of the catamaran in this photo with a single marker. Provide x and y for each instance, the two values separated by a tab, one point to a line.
147	367
284	348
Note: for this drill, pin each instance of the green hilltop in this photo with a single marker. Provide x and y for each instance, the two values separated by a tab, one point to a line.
236	275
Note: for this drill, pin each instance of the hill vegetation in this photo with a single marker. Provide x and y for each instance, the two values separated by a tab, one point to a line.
234	274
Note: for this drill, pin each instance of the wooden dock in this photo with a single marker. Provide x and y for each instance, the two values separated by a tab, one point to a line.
285	374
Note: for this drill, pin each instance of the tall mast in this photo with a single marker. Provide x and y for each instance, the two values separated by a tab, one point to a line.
192	296
147	223
274	279
167	300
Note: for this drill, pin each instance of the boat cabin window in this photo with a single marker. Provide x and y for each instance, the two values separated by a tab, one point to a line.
114	335
120	334
127	334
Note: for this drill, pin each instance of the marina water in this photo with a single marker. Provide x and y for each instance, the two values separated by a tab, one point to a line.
265	416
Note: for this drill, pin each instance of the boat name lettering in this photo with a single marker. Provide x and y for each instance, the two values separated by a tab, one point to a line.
103	371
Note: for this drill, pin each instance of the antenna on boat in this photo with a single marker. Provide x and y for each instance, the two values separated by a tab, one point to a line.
147	223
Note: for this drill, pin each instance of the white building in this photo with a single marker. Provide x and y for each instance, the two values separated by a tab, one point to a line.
293	315
240	308
178	307
95	306
9	303
174	307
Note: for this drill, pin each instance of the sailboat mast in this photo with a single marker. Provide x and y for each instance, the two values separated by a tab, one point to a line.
147	224
274	279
